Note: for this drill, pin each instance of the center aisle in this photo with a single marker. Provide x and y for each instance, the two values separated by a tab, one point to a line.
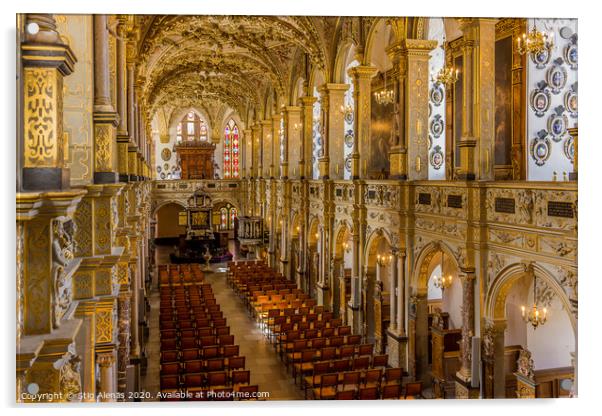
266	369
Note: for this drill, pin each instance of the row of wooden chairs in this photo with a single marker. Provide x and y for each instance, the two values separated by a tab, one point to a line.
205	353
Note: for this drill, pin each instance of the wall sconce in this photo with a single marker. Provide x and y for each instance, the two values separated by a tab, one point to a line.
346	247
383	260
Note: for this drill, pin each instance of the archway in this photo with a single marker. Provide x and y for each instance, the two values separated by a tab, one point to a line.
375	288
552	345
341	278
432	306
295	249
171	222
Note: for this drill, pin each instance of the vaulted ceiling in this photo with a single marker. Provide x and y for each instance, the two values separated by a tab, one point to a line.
224	60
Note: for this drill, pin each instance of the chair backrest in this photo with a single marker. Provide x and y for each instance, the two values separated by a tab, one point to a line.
414	389
361	363
170	368
169	356
241	377
230	350
321	368
380	360
248	389
340	365
344	395
210	352
308	355
235	363
351	377
393	374
354	339
347	351
368	393
193	380
391	391
329	380
374	375
328	353
215	364
194	366
366	349
217	378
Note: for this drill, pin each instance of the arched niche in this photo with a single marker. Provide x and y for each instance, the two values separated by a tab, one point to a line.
342	259
167	216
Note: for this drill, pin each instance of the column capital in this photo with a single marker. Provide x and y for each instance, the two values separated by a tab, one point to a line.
362	72
307	101
329	86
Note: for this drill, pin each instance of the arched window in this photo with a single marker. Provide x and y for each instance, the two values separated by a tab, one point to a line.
233	214
231	142
223	219
191	128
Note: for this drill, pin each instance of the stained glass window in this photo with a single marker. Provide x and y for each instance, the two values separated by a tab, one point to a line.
192	128
233	214
231	150
223	218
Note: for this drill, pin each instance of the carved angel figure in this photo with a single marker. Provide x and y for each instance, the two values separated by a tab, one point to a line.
525	364
62	254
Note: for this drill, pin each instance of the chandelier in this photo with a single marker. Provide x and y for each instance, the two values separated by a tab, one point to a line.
535	42
385	96
383	260
442	282
535	316
446	76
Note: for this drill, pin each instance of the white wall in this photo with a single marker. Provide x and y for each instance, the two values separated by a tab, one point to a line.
557	161
452	303
433	291
436	31
171	162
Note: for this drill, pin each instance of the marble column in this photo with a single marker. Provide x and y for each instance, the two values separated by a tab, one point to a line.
362	91
46	61
107	388
305	153
468	279
478	124
332	165
290	167
105	117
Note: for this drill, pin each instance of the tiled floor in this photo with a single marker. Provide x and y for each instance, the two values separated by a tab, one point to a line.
266	368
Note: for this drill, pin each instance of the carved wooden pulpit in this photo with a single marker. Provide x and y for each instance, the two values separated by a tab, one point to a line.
196	159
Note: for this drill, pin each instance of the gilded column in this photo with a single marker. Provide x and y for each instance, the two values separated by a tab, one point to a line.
414	136
332	164
122	104
256	151
392	298
478	124
266	148
274	166
290	166
362	78
247	148
105	117
305	153
46	61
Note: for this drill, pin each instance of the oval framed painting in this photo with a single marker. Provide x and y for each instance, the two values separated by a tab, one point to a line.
540	101
349	138
571	55
162	175
540	150
348	163
165	154
541	59
437	95
437	126
569	148
557	126
349	117
556	78
571	103
436	158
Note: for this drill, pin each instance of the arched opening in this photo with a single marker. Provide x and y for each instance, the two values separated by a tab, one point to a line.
295	257
231	151
551	345
171	223
375	289
317	125
341	278
435	318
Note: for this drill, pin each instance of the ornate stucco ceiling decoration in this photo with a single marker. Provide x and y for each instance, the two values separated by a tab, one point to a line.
225	60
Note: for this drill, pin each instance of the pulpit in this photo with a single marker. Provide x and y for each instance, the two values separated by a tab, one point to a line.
445	353
196	159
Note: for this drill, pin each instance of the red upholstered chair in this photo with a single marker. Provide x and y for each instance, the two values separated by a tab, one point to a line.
169	356
380	361
350	381
345	395
210	352
169	382
169	344
373	378
208	341
215	364
393	375
328	353
190	354
241	377
361	363
365	349
328	387
222	330
188	343
226	340
170	368
222	394
346	351
340	366
414	390
344	330
217	379
354	339
230	350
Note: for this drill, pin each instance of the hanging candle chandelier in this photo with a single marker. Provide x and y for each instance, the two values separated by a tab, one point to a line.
441	281
536	315
535	41
384	96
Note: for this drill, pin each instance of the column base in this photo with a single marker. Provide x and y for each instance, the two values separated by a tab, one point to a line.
396	349
464	390
44	179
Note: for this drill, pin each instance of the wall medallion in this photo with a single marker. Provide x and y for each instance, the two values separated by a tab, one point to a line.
165	154
349	138
541	59
570	100
349	117
571	52
436	157
162	175
166	167
558	123
348	163
436	126
569	148
540	99
437	94
556	76
158	169
541	148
